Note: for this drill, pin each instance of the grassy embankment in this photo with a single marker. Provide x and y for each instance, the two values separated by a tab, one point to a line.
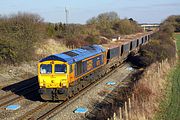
171	107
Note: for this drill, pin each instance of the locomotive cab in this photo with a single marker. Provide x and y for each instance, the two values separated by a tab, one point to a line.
53	74
53	77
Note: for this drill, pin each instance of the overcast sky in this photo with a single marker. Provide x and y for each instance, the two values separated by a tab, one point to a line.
143	11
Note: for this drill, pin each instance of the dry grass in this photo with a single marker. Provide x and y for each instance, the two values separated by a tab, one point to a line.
49	47
150	91
147	94
10	74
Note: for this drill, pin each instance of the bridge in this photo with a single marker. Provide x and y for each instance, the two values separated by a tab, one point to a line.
149	27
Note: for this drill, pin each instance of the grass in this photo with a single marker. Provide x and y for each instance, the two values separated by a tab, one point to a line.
148	92
50	47
170	107
177	36
157	92
173	109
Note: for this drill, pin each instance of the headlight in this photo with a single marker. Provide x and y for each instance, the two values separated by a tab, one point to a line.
42	84
64	84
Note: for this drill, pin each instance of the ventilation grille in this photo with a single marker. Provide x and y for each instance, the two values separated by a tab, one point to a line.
88	48
70	53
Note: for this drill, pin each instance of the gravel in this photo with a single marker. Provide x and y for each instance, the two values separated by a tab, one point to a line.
97	94
25	104
94	95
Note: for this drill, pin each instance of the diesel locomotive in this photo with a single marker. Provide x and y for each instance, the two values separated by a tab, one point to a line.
61	76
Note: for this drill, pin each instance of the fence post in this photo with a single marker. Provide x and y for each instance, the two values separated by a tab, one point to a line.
120	113
144	117
129	103
126	112
158	71
114	116
133	98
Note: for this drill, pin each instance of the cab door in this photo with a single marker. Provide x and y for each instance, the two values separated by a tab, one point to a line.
71	72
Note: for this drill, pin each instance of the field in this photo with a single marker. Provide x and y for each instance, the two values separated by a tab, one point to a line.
171	106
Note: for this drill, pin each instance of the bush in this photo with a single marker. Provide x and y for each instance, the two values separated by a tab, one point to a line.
6	52
152	52
161	47
109	24
126	27
18	35
106	24
173	20
92	40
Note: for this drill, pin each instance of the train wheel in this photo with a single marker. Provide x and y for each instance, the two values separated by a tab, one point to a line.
70	91
83	85
80	86
66	95
75	89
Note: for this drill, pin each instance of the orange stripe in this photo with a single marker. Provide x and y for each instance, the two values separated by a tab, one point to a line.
92	57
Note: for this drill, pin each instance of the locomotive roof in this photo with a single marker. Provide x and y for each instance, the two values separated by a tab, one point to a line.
76	55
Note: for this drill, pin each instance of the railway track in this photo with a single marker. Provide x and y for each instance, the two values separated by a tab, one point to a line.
12	97
18	91
32	111
57	108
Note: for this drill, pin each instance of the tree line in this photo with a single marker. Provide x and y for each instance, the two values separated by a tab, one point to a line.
106	24
19	33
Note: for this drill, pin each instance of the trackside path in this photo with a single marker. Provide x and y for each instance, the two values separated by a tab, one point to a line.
171	106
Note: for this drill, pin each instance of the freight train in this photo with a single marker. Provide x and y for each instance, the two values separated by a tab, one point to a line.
61	76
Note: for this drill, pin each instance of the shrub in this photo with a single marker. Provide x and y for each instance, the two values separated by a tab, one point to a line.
161	47
173	20
109	24
18	35
6	52
92	40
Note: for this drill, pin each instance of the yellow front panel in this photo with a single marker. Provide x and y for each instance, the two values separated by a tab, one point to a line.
53	80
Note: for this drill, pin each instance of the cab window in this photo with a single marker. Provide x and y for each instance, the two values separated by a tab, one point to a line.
60	68
46	68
